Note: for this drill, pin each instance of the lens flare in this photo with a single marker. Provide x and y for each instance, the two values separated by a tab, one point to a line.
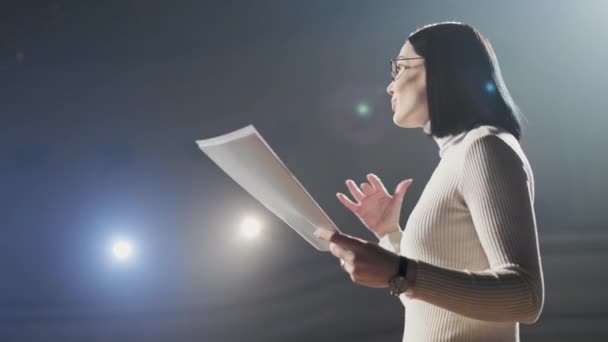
122	250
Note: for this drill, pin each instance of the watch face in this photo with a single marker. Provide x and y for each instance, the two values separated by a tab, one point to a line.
401	283
398	285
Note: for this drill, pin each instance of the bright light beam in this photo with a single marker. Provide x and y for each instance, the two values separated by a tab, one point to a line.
250	227
122	250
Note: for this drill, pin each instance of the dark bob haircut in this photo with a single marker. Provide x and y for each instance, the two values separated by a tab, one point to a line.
464	85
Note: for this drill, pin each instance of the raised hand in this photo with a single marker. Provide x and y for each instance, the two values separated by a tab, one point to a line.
378	210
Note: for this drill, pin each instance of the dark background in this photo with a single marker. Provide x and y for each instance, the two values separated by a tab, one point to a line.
101	102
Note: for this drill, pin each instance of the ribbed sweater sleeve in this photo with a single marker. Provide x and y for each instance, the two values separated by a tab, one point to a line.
391	241
495	188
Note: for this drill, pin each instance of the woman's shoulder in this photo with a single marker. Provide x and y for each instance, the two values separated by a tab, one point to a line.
493	145
491	137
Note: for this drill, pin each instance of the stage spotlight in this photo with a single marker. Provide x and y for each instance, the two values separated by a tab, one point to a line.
122	250
250	227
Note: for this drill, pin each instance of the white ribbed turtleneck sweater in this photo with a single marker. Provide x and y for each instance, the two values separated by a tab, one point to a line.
473	238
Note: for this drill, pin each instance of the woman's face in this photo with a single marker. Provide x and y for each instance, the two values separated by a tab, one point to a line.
408	90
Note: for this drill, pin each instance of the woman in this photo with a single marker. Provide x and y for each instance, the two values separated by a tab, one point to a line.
467	265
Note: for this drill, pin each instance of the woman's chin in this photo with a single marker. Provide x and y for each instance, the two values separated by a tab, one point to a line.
408	120
403	121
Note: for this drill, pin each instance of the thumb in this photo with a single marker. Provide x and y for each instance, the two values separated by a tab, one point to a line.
402	188
336	237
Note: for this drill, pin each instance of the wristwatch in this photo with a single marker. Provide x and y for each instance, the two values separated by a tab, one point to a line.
398	283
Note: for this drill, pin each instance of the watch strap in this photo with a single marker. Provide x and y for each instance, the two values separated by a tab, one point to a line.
402	266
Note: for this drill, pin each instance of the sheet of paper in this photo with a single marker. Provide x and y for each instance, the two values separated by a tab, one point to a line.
246	157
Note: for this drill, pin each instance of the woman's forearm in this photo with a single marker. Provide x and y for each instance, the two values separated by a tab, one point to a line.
511	293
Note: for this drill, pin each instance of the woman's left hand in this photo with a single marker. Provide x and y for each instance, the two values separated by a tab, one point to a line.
367	263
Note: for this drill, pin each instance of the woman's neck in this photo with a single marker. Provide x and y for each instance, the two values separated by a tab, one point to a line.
446	142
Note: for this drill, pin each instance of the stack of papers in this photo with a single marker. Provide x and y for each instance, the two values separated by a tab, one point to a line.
246	157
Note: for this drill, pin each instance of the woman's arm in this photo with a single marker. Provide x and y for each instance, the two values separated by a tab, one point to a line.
496	189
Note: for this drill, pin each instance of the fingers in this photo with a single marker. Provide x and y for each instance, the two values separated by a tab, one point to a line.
340	246
348	267
335	237
354	190
347	202
341	253
376	183
324	234
337	245
367	189
402	187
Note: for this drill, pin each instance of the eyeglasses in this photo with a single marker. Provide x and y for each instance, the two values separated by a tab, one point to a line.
394	65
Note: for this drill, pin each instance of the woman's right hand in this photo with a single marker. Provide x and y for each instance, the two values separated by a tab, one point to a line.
375	207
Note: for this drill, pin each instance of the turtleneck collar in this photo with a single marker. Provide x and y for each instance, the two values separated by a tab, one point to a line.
444	143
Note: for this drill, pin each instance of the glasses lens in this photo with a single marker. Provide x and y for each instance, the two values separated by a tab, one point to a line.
393	69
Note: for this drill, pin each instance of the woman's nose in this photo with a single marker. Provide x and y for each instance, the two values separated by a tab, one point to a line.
389	88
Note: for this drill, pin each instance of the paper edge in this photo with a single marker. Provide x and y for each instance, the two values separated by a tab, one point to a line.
221	139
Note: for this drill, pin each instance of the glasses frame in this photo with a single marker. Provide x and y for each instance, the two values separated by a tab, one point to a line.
393	64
